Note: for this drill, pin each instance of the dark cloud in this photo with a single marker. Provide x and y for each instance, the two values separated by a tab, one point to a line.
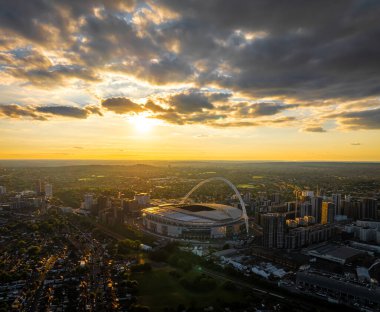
171	117
310	51
205	118
54	75
113	41
366	119
314	129
66	111
307	51
93	109
356	144
41	20
236	124
44	112
189	102
33	66
267	109
261	15
280	120
162	71
121	105
150	105
17	111
319	50
27	58
219	96
27	18
254	123
197	118
219	119
195	106
253	110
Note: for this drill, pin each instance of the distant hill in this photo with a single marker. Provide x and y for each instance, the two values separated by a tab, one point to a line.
180	163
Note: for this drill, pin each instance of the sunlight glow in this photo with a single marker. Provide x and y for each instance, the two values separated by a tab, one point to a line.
142	123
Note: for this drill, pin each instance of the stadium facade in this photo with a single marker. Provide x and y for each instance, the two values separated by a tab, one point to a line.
202	221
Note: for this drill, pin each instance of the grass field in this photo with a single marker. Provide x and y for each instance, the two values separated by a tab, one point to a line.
159	289
246	186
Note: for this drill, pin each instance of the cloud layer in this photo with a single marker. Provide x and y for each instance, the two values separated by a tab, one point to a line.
47	112
218	62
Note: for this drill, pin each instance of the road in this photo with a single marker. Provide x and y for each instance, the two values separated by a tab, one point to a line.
48	266
241	283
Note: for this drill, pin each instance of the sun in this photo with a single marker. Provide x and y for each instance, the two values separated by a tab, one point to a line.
142	123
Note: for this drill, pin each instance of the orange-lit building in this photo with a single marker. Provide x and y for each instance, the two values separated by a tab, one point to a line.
328	212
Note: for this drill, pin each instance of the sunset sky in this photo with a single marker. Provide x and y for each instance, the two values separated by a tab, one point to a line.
207	79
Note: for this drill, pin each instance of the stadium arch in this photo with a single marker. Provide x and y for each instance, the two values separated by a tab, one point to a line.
231	185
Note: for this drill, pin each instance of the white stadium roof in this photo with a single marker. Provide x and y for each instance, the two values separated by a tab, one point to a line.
197	213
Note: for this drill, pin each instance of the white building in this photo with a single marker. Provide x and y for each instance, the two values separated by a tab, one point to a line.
265	269
366	231
363	274
367	234
307	193
48	190
3	190
145	247
142	199
88	201
66	209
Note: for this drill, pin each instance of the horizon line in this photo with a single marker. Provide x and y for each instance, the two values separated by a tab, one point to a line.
192	160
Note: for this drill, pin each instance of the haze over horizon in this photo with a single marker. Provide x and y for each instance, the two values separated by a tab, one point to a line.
198	80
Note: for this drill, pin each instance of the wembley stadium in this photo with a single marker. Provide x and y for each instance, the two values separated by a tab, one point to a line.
194	221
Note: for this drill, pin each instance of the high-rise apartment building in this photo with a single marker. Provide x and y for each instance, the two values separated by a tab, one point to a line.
316	208
48	190
142	199
276	198
273	230
88	201
306	209
368	208
38	187
328	212
337	201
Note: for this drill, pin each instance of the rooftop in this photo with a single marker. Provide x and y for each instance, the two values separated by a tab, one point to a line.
340	285
335	253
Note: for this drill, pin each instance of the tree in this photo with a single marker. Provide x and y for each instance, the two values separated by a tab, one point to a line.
139	308
145	267
228	285
34	250
127	244
226	246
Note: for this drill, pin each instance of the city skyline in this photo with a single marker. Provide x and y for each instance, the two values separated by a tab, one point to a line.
168	80
170	236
